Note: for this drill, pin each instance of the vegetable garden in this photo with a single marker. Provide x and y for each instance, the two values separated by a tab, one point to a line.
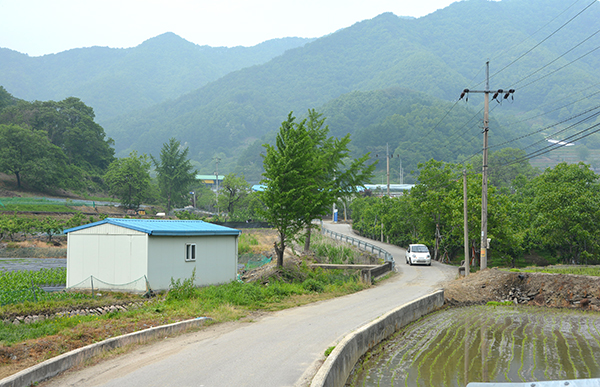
27	285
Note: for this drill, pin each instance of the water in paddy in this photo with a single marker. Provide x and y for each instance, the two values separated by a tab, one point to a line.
486	344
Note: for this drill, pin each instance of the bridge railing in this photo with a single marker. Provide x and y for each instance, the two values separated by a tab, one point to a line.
366	246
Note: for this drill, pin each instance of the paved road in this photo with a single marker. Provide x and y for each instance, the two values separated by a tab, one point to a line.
278	349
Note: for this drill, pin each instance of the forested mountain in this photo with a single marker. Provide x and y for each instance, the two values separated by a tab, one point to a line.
439	54
118	81
400	119
388	80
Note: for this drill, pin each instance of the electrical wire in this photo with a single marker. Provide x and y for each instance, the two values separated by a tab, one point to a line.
557	58
443	118
556	146
543	40
560	68
546	128
532	35
563	130
560	107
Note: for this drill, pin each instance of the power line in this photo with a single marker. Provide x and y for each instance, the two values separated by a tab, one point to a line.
543	40
557	58
560	107
563	130
444	117
548	127
556	146
532	35
560	68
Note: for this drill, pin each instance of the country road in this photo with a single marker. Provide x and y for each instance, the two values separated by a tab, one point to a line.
276	349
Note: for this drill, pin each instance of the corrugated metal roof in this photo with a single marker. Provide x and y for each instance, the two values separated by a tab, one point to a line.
165	227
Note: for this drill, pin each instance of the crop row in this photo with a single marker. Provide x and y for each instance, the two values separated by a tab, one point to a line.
11	225
21	286
25	279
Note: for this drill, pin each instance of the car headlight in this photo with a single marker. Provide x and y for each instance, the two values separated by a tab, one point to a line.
428	256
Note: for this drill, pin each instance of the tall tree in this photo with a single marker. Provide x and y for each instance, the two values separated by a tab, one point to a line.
129	179
30	157
175	173
565	211
68	124
304	175
333	179
233	191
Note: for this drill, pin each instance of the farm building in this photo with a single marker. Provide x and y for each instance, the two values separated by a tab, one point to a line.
126	251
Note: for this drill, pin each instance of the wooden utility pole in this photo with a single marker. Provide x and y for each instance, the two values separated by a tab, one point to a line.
466	225
387	156
484	187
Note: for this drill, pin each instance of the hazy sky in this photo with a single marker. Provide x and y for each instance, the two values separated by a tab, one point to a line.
38	27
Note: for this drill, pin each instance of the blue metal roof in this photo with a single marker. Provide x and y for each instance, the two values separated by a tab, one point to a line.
164	227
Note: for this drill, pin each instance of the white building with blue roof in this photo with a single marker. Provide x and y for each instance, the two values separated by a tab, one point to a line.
118	251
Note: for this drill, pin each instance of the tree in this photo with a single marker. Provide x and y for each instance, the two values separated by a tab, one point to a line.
332	179
565	211
175	173
304	176
234	190
30	156
129	179
68	124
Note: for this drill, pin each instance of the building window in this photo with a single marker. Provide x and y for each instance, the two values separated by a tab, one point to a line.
190	252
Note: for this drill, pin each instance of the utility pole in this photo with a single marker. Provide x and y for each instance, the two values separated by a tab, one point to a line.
484	188
401	173
217	159
466	225
387	156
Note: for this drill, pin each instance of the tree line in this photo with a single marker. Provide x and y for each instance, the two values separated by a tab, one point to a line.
533	217
11	225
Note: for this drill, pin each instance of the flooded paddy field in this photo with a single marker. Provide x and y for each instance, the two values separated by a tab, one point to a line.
482	343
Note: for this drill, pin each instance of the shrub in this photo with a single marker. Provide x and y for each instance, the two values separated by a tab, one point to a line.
312	285
182	290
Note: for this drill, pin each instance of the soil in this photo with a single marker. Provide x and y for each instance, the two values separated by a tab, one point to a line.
541	289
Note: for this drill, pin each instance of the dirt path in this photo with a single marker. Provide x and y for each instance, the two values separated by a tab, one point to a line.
282	348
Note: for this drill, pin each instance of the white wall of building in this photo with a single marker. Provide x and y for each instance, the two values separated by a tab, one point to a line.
216	260
116	256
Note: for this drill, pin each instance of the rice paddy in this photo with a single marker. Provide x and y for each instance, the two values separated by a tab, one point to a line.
486	344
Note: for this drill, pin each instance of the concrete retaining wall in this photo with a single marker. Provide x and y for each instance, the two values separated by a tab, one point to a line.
336	369
56	365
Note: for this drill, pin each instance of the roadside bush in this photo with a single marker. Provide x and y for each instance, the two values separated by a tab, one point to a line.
312	285
181	290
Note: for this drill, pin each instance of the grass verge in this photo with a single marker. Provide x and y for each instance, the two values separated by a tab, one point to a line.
560	269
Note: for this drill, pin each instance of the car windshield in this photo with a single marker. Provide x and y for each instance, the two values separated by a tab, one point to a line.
420	249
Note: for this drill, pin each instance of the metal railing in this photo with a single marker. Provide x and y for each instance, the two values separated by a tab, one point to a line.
366	246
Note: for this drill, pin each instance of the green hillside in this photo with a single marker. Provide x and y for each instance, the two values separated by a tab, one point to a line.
118	81
398	121
440	55
389	80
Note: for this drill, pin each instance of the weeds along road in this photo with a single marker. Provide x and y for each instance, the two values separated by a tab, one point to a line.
277	349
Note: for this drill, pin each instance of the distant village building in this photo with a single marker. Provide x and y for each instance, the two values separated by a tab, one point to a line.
120	251
211	181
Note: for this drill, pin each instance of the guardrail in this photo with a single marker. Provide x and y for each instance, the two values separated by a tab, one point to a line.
387	257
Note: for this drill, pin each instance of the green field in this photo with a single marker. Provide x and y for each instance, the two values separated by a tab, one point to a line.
21	286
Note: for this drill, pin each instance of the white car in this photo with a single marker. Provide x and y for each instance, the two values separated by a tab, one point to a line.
418	254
